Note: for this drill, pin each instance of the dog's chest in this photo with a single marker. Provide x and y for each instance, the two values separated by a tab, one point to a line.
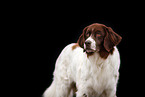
97	77
100	79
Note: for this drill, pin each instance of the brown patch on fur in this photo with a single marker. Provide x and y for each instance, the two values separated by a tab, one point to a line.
74	46
90	54
104	53
73	88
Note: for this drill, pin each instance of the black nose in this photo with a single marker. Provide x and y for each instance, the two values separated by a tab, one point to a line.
87	42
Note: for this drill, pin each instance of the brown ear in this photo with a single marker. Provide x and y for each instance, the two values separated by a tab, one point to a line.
111	39
81	39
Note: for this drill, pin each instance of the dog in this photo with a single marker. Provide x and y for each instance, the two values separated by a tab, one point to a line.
88	68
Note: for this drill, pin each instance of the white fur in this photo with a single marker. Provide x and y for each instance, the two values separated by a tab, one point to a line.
93	75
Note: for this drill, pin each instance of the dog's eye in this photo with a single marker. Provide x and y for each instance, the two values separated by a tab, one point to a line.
98	35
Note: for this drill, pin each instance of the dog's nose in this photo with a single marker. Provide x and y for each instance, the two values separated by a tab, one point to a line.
87	42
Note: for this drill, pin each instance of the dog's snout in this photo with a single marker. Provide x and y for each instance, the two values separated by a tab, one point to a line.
87	42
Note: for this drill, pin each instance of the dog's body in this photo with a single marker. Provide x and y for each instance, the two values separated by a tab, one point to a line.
92	70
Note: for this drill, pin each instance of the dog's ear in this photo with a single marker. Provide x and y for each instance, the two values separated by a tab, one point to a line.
111	39
81	39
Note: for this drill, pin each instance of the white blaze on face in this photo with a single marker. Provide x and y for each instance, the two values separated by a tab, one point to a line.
93	43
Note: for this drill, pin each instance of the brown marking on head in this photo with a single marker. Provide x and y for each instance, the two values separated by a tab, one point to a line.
74	46
104	37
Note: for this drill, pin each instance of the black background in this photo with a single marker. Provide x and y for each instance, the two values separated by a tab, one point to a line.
40	32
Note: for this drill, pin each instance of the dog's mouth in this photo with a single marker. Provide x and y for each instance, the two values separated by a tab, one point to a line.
89	50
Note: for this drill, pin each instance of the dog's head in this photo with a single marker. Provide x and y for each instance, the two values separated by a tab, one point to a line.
98	38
